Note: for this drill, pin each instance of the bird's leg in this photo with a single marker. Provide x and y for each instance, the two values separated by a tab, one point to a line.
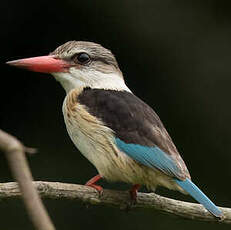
133	192
92	184
133	195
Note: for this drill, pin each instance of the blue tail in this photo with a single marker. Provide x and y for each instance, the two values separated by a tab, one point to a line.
198	195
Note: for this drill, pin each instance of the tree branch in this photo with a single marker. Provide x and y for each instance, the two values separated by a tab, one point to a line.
117	199
17	161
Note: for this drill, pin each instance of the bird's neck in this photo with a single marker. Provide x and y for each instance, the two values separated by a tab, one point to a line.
95	80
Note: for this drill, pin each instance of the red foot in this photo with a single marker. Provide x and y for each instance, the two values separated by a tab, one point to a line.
92	184
133	191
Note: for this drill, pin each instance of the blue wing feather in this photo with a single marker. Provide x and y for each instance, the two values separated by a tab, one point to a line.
152	157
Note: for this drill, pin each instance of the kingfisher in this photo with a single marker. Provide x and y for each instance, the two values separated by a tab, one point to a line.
115	130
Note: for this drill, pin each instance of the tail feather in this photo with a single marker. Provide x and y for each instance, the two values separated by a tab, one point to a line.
199	196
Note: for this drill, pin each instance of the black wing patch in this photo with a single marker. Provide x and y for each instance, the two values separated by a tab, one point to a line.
132	120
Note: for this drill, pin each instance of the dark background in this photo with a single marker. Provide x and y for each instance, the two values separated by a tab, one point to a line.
175	55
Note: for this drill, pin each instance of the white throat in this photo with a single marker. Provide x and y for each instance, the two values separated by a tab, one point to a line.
93	79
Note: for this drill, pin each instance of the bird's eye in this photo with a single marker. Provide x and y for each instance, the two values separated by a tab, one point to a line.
81	58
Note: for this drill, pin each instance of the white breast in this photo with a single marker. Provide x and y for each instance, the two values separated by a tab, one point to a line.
95	141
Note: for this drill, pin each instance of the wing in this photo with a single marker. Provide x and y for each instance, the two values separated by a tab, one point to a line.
141	135
138	130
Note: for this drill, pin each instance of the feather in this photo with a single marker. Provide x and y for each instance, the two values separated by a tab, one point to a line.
199	196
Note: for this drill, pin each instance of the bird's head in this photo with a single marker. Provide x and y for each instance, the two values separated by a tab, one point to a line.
78	64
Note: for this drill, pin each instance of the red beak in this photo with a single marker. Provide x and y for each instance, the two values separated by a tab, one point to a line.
42	64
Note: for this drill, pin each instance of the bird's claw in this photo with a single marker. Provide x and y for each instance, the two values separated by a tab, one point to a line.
92	184
98	188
